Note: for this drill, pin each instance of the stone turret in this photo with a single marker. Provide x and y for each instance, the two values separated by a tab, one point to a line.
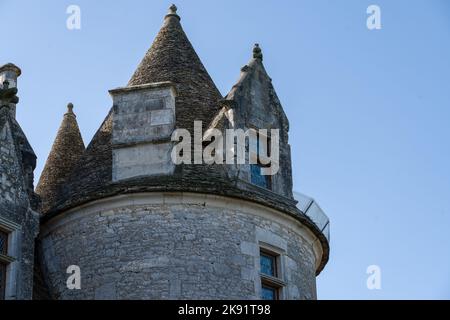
141	226
64	156
172	58
19	222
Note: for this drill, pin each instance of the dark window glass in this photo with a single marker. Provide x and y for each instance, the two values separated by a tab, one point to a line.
263	150
2	281
268	265
255	169
257	178
3	243
268	293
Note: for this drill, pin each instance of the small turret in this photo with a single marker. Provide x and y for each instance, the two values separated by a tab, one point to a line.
64	156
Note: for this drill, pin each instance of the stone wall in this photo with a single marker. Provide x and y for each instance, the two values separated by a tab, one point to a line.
143	122
174	246
255	105
17	218
11	180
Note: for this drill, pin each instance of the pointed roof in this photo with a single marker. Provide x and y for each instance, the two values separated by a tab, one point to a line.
17	158
19	136
254	71
12	183
64	156
172	58
253	84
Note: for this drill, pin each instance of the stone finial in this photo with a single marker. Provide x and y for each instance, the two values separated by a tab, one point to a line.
12	69
172	12
8	86
173	9
70	109
257	53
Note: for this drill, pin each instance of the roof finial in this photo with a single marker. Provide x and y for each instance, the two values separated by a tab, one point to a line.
173	9
70	108
173	12
11	67
257	53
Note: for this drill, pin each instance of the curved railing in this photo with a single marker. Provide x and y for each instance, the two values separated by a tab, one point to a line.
312	210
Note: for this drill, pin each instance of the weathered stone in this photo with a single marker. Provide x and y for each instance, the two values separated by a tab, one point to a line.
139	226
18	201
192	267
64	156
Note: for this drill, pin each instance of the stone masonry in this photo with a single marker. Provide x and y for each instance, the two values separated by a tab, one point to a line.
141	226
18	202
174	246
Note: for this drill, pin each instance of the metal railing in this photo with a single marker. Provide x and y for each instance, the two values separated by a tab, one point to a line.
312	210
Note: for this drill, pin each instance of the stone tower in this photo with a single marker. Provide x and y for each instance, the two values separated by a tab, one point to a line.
141	226
19	221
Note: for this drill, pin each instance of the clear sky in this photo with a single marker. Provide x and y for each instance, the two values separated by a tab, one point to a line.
369	109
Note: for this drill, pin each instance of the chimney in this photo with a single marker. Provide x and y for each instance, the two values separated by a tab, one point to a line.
8	86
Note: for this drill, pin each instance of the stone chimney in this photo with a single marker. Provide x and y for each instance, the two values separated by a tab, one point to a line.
8	86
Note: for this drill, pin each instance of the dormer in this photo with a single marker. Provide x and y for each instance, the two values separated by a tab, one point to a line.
252	104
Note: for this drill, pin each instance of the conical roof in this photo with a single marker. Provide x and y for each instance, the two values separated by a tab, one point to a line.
63	158
172	58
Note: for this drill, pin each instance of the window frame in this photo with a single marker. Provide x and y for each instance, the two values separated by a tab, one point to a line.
5	236
273	258
3	280
8	260
276	290
275	281
5	260
269	181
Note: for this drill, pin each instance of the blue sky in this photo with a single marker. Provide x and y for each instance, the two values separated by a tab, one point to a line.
369	110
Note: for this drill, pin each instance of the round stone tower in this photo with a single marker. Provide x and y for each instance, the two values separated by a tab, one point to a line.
141	225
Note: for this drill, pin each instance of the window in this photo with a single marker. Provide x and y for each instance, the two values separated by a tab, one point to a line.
269	293
9	250
268	264
2	280
257	178
4	261
271	281
3	242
